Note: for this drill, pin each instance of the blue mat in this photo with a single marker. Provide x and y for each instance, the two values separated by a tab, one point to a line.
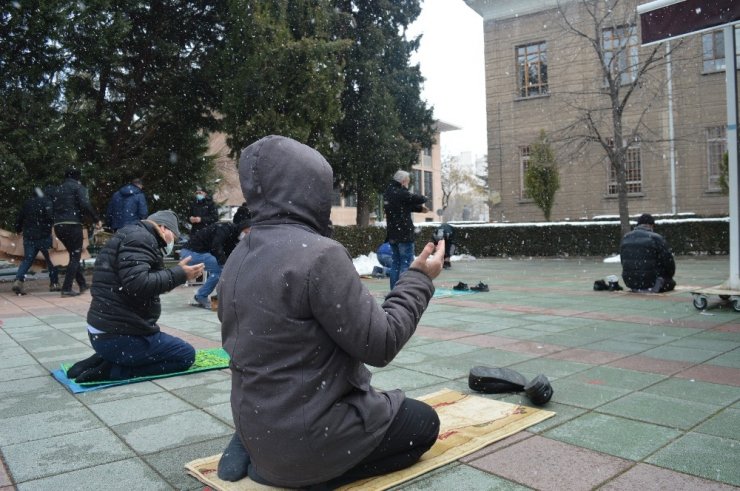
449	292
205	359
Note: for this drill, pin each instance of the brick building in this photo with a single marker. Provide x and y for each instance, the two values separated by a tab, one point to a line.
541	75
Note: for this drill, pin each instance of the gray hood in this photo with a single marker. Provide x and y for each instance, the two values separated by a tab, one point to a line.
285	181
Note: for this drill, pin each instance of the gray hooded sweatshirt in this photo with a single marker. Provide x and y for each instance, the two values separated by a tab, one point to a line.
300	326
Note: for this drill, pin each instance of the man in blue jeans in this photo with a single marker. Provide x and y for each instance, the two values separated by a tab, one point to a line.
212	246
34	222
128	278
399	203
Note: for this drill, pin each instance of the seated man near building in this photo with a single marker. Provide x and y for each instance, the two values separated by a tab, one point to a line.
212	246
128	278
647	261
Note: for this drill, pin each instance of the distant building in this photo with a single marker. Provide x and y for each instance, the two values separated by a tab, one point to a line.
425	176
534	66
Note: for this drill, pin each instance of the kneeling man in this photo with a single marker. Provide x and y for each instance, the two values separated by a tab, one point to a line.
128	278
647	261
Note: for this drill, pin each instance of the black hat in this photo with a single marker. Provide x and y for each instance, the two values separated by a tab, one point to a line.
646	219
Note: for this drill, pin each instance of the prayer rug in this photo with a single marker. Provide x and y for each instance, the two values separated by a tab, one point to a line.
468	423
205	359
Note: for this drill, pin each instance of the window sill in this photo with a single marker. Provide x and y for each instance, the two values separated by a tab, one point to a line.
525	201
629	195
713	192
529	98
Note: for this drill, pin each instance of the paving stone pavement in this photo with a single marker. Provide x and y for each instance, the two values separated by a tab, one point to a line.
647	388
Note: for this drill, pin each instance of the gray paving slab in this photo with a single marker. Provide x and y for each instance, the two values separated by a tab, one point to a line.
59	454
139	408
37	426
124	475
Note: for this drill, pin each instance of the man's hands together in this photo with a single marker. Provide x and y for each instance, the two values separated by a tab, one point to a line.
431	259
192	272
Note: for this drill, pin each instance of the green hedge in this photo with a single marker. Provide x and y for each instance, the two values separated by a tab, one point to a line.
687	237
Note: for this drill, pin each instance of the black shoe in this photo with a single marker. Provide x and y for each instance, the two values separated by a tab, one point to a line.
461	287
234	462
54	287
480	287
446	264
96	374
491	380
84	288
75	370
539	390
70	293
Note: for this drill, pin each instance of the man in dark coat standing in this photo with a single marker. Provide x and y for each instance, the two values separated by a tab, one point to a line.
35	221
71	204
203	211
647	261
399	203
128	279
299	326
128	205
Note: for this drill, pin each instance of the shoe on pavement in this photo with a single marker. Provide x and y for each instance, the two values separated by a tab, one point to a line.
480	287
18	287
54	287
461	287
202	302
70	293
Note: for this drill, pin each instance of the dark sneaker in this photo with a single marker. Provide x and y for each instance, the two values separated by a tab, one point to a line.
480	287
70	293
18	287
54	287
202	302
461	287
84	288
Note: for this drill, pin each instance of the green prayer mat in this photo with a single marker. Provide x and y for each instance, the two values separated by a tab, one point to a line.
205	359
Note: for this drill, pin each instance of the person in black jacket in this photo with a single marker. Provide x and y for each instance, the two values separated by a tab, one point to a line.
203	211
212	246
647	261
71	203
399	202
128	278
34	221
128	205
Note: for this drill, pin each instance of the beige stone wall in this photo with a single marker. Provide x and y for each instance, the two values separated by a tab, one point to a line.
575	82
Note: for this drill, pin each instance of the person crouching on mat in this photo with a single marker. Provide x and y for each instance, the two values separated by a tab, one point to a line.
128	278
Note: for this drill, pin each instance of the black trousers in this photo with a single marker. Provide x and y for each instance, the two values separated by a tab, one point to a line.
70	234
411	434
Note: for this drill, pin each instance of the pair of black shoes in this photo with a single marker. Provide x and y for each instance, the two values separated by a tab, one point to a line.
480	287
491	380
92	369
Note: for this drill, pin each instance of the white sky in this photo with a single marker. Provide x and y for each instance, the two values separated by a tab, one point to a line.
451	60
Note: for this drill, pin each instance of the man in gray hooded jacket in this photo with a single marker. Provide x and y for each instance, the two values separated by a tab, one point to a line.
300	326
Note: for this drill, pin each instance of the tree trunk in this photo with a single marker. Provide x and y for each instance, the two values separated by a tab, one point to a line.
363	207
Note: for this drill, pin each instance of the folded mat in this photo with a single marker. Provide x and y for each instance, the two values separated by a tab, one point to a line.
468	423
205	359
449	292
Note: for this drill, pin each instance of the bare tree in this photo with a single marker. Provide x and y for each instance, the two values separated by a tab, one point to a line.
629	85
458	180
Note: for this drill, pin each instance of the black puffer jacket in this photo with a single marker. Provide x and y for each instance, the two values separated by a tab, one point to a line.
217	239
35	218
207	211
128	278
71	202
645	256
399	202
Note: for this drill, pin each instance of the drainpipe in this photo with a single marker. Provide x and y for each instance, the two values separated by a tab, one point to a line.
671	136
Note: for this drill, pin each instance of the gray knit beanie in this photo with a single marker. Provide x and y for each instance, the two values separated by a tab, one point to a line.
168	219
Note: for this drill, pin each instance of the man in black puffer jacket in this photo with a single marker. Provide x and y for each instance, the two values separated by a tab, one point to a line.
128	278
71	204
647	261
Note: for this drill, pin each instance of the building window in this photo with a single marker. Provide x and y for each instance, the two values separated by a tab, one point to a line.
523	166
716	148
531	62
415	186
620	52
713	50
633	168
429	187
